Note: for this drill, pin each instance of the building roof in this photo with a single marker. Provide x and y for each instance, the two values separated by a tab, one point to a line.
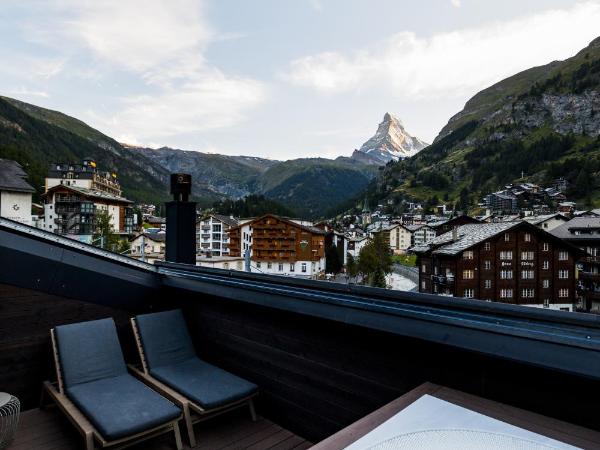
156	237
156	220
468	236
536	220
567	229
227	220
12	177
473	234
309	228
93	193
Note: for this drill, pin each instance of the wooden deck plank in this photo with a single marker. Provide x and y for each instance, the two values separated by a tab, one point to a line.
49	430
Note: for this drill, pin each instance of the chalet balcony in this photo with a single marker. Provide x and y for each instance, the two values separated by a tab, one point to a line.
591	276
324	355
443	279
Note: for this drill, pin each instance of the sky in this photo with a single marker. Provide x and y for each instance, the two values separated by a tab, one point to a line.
280	79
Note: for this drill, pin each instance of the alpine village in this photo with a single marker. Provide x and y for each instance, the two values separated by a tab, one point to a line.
497	221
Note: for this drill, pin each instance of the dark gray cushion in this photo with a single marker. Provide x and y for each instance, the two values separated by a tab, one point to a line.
204	383
122	406
165	338
89	351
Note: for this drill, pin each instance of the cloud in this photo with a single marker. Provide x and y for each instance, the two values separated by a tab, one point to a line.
456	3
160	45
317	5
22	91
450	64
209	101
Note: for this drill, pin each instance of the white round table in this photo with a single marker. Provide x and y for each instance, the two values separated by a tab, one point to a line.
458	439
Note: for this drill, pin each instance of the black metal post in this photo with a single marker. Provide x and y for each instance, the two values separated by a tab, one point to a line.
181	221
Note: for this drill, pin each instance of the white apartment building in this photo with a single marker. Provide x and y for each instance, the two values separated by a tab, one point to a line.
212	235
400	238
421	234
148	247
76	193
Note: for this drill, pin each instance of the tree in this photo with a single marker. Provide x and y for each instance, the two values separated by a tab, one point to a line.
104	235
351	266
375	261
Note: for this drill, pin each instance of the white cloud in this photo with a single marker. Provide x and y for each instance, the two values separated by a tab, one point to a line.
209	101
22	91
451	64
456	3
161	44
317	5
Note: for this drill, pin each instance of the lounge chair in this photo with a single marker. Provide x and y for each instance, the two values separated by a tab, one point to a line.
106	404
170	365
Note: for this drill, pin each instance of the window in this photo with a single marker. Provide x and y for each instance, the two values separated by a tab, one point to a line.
545	247
303	267
527	237
563	293
258	264
468	254
527	274
292	267
546	303
546	283
546	265
527	256
506	293
506	255
468	274
487	246
423	268
269	265
506	274
488	284
280	267
423	285
469	293
563	256
528	293
506	237
487	265
563	274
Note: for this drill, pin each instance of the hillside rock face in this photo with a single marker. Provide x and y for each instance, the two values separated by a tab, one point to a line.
566	113
391	142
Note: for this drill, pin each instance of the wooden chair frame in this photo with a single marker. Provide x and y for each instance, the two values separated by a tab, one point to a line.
192	412
86	428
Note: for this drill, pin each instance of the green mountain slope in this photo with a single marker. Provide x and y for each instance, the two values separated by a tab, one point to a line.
308	186
541	123
37	137
315	187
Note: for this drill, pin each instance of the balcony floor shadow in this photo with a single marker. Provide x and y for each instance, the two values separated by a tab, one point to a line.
49	430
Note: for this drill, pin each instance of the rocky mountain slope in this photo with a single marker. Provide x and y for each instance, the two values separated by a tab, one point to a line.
391	142
543	123
309	186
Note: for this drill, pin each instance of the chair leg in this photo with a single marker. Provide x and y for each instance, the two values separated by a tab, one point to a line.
252	410
187	415
89	441
178	443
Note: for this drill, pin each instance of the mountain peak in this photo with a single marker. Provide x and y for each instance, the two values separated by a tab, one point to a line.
390	142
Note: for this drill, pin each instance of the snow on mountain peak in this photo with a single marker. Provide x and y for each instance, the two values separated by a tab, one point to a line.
390	142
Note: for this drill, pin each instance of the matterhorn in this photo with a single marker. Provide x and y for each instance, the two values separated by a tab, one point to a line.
391	142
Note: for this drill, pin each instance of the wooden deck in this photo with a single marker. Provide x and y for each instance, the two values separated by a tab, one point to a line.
49	430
